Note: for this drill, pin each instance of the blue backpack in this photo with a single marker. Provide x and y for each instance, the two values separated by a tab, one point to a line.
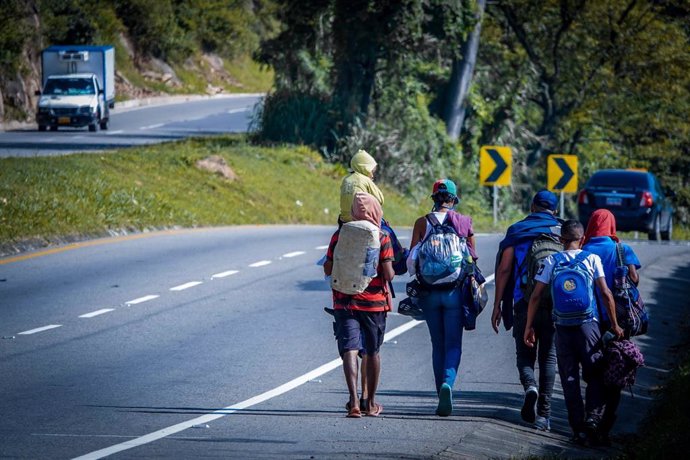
572	291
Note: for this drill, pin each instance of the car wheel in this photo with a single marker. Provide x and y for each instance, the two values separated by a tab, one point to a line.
655	234
104	124
668	233
53	128
42	127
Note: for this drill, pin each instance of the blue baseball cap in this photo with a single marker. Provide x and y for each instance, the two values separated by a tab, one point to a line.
545	199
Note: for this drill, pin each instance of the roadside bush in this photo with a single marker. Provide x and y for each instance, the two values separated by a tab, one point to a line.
296	118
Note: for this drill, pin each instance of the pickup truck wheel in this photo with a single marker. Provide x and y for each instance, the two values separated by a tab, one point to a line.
41	127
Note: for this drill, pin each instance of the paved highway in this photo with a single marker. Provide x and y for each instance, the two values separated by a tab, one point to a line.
134	126
213	343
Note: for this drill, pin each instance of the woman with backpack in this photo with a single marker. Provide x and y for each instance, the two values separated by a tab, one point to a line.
443	248
601	239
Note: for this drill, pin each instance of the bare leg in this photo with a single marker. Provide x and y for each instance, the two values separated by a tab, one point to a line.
373	372
365	390
350	369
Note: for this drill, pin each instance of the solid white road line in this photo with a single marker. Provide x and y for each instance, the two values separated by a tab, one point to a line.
284	388
96	313
40	329
293	254
321	247
141	300
246	109
260	263
119	131
224	274
490	278
182	287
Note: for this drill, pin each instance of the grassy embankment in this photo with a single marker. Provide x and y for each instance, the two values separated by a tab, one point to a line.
48	198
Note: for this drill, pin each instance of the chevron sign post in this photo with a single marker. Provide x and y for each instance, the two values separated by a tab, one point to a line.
495	169
561	175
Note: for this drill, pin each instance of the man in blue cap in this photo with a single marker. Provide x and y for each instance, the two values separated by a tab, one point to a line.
526	242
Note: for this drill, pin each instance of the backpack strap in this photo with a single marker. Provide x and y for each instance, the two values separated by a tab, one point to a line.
619	254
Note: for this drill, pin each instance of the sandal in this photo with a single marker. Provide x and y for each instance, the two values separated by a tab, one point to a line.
377	410
354	413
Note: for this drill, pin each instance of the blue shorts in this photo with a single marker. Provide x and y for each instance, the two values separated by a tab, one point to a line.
356	329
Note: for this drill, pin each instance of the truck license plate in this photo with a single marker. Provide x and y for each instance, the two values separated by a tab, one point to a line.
64	120
613	201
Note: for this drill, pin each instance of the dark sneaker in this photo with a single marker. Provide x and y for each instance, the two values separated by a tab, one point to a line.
579	438
592	432
529	407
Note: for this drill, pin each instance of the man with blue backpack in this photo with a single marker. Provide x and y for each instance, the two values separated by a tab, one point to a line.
573	276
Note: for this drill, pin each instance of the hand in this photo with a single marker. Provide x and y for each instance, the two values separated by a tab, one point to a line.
496	318
529	337
618	331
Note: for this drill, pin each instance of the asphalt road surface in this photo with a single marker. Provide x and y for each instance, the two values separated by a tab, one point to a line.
137	126
213	343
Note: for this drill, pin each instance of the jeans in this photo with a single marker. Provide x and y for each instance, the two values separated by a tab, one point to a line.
544	351
578	346
444	318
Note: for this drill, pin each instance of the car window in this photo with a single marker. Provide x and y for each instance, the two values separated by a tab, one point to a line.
623	179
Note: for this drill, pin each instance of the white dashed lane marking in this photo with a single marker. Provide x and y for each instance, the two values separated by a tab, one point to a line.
182	287
224	274
40	329
96	313
157	125
260	263
141	300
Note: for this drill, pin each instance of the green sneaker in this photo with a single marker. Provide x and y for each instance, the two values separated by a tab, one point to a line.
445	401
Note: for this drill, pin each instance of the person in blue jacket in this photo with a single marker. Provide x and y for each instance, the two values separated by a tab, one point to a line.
511	307
601	239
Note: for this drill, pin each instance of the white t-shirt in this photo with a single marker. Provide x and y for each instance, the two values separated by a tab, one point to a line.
592	262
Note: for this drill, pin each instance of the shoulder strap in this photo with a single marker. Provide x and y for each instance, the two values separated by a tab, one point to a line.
431	218
581	257
619	254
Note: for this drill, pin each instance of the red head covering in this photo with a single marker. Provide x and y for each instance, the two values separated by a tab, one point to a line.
601	223
366	207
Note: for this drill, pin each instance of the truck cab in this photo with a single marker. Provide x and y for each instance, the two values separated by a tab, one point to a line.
72	100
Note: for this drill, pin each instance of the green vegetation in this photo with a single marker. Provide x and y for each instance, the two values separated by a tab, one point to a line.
161	186
606	81
148	36
664	433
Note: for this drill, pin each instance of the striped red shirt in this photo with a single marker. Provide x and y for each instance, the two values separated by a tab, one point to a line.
374	297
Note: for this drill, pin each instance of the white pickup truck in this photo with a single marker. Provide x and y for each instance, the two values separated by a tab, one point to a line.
78	87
